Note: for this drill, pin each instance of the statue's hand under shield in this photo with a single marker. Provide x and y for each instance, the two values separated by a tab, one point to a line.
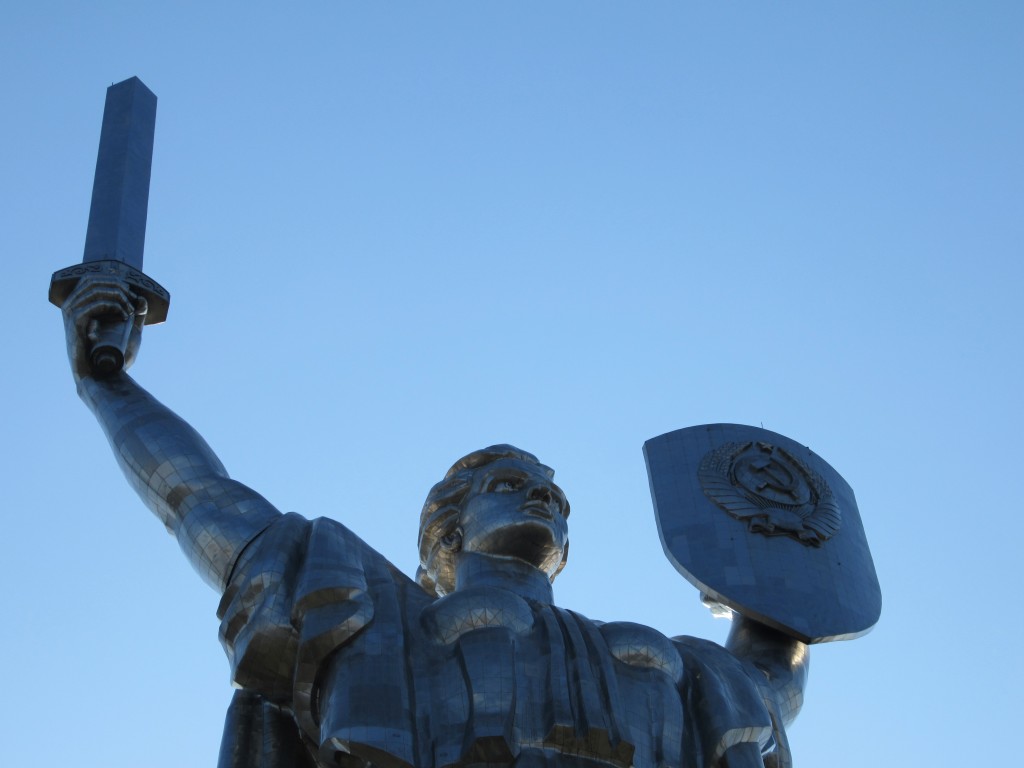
102	312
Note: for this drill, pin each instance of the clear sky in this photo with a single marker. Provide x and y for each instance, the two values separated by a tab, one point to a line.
396	232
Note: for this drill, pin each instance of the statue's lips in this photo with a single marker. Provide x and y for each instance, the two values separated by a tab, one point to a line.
538	509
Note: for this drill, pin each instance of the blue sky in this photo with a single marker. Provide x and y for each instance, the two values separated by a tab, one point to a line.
397	232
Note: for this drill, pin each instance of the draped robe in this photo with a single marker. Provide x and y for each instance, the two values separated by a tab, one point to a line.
343	660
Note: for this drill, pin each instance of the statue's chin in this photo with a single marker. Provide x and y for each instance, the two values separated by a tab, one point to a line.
534	544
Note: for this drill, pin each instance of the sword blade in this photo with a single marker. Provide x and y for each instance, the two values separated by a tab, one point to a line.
120	191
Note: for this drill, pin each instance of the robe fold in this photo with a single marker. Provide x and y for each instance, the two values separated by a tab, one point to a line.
343	660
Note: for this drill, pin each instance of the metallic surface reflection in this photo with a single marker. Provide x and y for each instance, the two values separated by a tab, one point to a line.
342	660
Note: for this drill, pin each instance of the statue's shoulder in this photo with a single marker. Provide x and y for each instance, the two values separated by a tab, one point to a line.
333	545
688	644
718	672
293	535
301	556
641	646
699	653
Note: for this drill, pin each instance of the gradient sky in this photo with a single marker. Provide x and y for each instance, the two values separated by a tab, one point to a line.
397	232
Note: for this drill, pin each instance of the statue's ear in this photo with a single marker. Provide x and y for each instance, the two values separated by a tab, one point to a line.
452	541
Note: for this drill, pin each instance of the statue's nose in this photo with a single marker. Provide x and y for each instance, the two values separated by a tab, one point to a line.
540	493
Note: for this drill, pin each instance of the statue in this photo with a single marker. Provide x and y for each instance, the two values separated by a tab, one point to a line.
340	659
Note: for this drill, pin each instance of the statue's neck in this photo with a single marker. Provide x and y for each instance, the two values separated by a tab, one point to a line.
473	569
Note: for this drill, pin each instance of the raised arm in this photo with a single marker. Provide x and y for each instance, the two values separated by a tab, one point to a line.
784	661
168	463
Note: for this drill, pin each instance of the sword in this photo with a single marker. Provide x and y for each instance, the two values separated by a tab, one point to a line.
116	234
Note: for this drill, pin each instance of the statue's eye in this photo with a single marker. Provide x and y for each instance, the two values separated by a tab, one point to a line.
507	485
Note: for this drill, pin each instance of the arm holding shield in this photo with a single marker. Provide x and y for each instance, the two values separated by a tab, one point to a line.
771	534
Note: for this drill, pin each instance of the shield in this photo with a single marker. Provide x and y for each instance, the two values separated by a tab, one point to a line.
766	527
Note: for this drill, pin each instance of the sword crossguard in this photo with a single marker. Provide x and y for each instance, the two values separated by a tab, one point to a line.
107	355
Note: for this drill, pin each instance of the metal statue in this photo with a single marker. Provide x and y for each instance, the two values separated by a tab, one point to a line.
342	660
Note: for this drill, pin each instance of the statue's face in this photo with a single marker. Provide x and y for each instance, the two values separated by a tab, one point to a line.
513	510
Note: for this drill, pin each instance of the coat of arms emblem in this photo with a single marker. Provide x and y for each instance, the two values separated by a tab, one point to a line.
771	490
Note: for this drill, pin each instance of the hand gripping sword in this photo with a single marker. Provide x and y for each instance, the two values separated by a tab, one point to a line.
116	235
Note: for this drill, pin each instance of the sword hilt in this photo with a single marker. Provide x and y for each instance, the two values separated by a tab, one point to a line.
107	354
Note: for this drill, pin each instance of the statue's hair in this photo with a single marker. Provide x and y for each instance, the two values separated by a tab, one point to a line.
440	515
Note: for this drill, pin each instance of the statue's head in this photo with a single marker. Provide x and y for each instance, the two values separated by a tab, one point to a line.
498	501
